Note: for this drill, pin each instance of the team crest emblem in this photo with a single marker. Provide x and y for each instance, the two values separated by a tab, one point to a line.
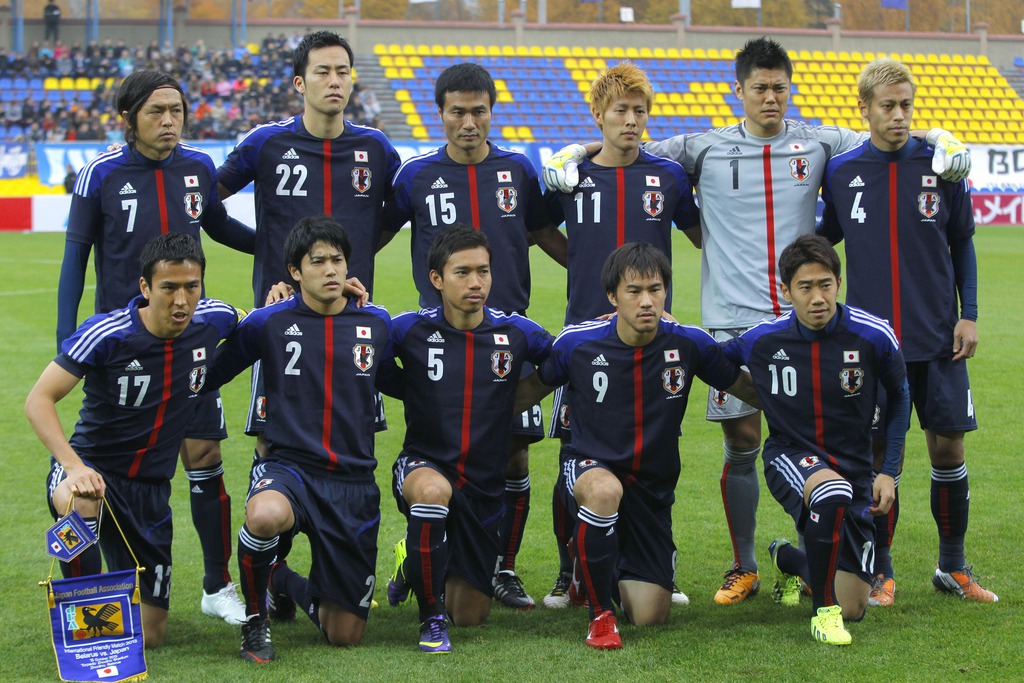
720	398
852	380
361	178
587	463
673	379
799	168
197	378
261	407
506	198
501	362
193	204
563	416
262	484
809	461
362	356
93	621
928	204
654	203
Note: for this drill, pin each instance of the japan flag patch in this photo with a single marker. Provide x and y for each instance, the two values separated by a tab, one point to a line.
199	354
672	355
362	156
653	181
929	181
501	339
504	176
851	356
191	181
362	332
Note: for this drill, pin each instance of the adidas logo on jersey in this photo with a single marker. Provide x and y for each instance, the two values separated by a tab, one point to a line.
293	331
134	366
439	184
600	360
435	338
587	182
290	154
857	182
734	152
780	355
127	189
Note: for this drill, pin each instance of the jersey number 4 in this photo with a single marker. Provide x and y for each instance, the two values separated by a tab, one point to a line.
857	213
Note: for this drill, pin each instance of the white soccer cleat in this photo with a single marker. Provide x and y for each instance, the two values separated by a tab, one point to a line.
224	604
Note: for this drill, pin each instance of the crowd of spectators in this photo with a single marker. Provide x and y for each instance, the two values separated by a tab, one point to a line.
230	90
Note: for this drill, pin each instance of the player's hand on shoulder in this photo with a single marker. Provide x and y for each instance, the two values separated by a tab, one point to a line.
355	290
114	146
965	339
561	170
279	292
952	159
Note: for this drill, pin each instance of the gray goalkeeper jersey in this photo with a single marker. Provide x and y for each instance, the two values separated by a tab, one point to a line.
756	196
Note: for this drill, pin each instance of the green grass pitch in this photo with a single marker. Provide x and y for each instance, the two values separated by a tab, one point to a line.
924	637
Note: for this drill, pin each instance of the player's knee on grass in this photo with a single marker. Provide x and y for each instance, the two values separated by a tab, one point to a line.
154	625
852	594
340	627
645	604
466	605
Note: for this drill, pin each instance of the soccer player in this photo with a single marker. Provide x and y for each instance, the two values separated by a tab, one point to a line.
449	479
143	367
625	195
317	163
154	185
321	354
757	183
495	190
630	377
909	244
817	370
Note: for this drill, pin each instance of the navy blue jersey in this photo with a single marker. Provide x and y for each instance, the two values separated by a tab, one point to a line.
296	175
628	401
500	195
612	206
818	389
319	372
140	391
899	219
460	388
122	200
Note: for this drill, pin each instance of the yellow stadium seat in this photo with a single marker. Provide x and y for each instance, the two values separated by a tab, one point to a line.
505	96
508	50
672	53
380	49
387	61
407	108
719	122
632	53
420	133
591	51
401	61
493	51
479	51
51	83
699	53
831	56
414	120
406	74
67	83
402	96
563	51
420	49
524	133
416	62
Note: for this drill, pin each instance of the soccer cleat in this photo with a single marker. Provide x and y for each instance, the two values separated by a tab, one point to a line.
604	632
558	598
883	592
256	645
787	588
738	586
398	588
827	626
678	596
575	594
224	604
963	583
508	589
434	636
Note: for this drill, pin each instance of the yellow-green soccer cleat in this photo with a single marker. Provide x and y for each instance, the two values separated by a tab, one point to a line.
398	589
828	626
786	591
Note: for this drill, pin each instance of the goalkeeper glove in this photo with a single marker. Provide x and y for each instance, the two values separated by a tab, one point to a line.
952	160
560	170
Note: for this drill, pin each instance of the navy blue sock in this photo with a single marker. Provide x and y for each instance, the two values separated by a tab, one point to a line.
950	497
828	504
885	530
211	516
255	556
427	561
596	546
513	523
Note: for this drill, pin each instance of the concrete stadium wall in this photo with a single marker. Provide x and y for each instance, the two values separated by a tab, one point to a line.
1000	49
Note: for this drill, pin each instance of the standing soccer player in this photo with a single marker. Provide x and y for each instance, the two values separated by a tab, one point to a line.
817	370
321	354
625	195
630	378
757	184
910	249
494	190
143	366
450	477
151	186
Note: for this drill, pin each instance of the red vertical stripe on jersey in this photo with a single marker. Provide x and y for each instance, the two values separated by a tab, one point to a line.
327	177
161	200
467	409
819	420
620	206
894	253
769	214
328	390
638	406
161	410
474	200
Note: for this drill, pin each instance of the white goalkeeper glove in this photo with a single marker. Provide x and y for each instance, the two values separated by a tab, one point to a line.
952	160
560	170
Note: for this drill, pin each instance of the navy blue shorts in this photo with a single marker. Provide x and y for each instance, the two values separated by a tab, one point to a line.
940	390
256	419
341	517
208	421
646	549
786	472
143	509
471	527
